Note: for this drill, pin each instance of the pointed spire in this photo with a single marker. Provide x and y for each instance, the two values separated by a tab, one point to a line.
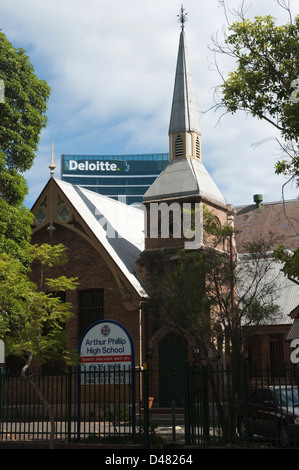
52	166
184	114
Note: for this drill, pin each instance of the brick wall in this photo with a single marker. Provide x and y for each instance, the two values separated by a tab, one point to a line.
159	221
159	257
93	272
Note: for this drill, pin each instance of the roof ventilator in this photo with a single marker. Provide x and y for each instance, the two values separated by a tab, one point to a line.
258	199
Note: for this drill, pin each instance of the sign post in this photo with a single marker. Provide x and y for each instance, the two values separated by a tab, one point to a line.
2	354
106	353
2	365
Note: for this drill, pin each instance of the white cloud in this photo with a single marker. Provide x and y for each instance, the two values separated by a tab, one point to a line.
111	67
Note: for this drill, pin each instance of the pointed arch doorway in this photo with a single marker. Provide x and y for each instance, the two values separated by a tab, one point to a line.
173	355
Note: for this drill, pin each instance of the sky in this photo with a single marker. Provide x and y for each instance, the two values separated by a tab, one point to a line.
111	67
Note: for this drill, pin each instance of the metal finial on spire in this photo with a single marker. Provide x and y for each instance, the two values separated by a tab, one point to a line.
52	166
182	18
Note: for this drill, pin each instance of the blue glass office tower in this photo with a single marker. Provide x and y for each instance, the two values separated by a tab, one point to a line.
124	177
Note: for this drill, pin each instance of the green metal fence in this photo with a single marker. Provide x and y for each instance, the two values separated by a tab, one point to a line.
87	406
251	408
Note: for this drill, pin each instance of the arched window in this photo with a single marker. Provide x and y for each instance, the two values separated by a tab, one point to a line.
216	222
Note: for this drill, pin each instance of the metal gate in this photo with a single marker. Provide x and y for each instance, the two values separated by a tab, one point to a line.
247	408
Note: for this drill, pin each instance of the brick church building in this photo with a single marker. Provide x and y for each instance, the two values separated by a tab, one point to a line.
111	246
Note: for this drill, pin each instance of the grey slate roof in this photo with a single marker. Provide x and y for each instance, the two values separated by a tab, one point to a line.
254	224
184	177
118	227
184	112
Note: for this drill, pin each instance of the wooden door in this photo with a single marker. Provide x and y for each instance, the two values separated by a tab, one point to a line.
173	355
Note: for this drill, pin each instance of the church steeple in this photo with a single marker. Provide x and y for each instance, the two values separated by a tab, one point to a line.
185	177
184	133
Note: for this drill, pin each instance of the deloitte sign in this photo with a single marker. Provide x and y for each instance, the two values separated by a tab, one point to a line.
87	165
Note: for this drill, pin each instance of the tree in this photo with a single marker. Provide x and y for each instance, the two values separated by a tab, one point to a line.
212	298
32	321
291	262
220	302
22	117
265	82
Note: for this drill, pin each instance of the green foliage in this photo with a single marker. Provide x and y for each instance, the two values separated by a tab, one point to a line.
48	255
15	218
212	227
22	115
184	294
206	293
290	260
265	81
31	322
15	228
267	63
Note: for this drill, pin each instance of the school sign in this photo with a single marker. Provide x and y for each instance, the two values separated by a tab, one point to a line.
106	354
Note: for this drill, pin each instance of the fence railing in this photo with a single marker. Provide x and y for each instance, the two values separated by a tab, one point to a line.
250	408
87	406
246	407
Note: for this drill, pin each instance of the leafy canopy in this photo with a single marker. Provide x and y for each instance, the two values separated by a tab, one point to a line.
22	115
267	64
265	81
265	84
31	321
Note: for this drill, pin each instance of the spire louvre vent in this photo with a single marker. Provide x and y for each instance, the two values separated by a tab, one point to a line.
197	148
179	146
